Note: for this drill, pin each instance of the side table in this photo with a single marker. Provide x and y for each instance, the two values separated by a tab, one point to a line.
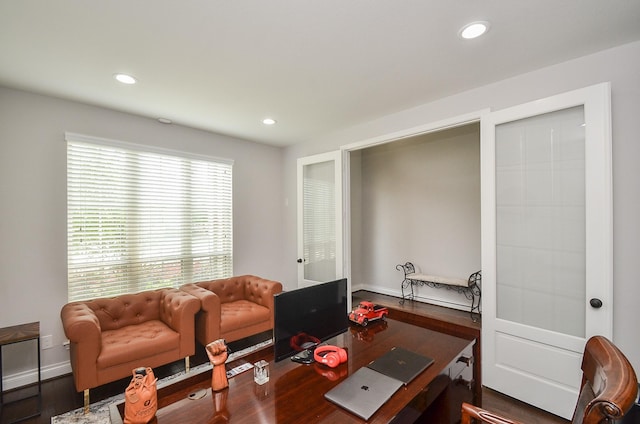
18	334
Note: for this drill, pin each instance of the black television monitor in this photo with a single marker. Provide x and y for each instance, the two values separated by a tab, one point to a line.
307	316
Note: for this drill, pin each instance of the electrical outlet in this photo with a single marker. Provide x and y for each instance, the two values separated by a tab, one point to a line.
46	342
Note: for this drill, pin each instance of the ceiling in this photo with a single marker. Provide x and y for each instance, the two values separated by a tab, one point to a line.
314	66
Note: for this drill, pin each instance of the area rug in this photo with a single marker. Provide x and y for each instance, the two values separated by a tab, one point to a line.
99	411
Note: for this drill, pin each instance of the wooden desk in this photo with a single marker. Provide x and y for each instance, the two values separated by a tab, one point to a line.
437	318
295	392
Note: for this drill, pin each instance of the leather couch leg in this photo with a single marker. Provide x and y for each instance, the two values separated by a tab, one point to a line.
86	401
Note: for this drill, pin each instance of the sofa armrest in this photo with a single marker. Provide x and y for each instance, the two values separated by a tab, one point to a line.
80	323
209	318
209	301
178	310
82	328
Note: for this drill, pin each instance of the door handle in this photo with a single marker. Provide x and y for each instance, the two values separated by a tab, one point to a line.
595	303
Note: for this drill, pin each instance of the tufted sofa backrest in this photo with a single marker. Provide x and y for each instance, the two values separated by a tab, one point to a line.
257	290
127	309
227	289
244	287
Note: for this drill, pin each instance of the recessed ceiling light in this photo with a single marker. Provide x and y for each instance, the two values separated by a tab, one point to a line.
474	29
125	79
268	121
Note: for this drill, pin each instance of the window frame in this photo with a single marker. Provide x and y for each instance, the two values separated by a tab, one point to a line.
199	231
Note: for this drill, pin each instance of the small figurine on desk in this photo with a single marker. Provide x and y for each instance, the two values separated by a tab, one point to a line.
221	414
217	352
367	312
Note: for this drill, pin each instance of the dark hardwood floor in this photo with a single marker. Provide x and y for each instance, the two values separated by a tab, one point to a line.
59	394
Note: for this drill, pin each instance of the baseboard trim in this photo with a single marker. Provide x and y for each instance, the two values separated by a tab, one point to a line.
24	378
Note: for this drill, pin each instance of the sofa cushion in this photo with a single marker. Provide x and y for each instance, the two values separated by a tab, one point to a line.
240	314
136	341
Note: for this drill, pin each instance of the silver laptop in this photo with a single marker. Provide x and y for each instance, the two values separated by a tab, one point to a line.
363	392
401	364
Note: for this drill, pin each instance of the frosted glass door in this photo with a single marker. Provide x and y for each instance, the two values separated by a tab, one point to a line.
546	244
319	219
319	222
540	221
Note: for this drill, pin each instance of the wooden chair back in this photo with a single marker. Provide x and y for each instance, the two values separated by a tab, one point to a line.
609	385
608	390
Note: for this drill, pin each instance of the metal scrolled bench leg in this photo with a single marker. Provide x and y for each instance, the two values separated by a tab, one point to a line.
474	294
407	268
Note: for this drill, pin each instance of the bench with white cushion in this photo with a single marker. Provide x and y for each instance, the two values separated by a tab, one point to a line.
469	286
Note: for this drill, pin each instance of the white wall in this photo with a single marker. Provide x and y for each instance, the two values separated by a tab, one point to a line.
620	66
419	201
33	285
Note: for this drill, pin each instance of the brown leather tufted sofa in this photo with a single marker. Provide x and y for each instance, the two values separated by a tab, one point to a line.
233	308
112	336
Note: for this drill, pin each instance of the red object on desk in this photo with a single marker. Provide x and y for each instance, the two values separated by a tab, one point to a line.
366	312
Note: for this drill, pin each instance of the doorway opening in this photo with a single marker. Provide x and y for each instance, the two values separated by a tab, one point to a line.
416	199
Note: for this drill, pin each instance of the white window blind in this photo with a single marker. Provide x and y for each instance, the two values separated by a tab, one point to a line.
140	220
